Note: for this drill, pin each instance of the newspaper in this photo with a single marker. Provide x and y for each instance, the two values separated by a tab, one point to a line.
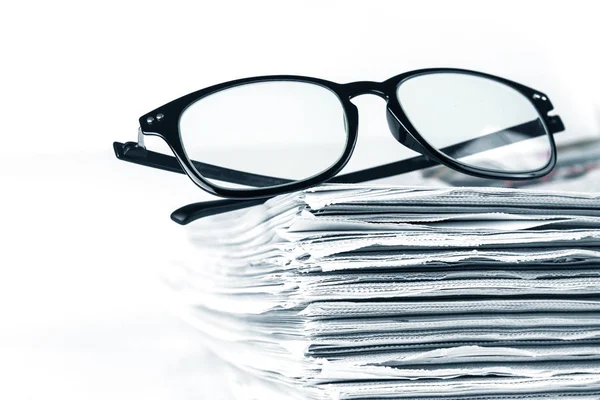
362	292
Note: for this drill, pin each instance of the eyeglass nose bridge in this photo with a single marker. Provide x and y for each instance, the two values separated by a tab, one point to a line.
382	90
355	89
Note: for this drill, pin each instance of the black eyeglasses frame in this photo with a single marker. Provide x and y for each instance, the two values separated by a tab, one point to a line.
164	123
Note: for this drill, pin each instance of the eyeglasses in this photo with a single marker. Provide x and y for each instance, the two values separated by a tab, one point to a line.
251	139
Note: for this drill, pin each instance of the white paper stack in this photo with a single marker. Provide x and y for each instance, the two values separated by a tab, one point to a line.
362	292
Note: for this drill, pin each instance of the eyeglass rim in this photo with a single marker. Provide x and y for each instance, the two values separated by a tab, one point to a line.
164	123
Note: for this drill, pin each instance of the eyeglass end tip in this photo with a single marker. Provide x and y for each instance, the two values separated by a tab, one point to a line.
180	218
118	148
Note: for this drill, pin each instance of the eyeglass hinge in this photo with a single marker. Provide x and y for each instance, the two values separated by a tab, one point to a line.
141	138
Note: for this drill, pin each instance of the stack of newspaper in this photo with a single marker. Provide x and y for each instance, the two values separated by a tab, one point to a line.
365	292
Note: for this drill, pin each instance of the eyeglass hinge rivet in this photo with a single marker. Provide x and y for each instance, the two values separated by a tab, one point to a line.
150	120
159	116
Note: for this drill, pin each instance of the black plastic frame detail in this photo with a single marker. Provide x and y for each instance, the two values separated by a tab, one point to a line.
164	123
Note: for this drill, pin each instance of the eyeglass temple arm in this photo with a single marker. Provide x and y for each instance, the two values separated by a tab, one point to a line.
192	212
138	154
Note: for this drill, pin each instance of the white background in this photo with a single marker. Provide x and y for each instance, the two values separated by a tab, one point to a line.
82	311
